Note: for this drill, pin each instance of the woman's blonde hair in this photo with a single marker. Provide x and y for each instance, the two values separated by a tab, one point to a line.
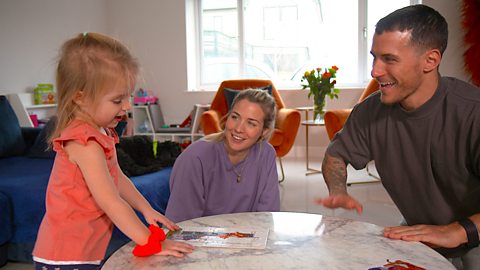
257	96
90	63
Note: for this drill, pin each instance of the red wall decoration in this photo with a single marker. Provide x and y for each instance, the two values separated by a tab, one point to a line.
471	24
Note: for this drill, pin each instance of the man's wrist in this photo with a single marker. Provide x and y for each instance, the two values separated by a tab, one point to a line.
472	232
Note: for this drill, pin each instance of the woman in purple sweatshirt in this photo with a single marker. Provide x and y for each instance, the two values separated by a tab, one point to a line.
231	171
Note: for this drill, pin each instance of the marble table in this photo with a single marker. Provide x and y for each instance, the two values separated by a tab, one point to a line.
295	241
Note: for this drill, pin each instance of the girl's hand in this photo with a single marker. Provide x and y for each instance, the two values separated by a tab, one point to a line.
154	217
175	248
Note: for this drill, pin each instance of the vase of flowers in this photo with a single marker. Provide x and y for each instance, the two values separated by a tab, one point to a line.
321	85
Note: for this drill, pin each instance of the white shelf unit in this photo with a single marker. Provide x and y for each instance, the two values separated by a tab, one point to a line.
143	124
23	104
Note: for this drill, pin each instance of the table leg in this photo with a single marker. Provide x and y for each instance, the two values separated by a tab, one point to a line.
306	140
309	170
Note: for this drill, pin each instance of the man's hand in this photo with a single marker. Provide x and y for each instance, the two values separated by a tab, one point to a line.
341	200
447	236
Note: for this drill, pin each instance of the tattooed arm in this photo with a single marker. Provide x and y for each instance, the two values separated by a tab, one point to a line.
335	174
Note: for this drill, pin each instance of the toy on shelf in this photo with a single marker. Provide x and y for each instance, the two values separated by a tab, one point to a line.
142	97
44	94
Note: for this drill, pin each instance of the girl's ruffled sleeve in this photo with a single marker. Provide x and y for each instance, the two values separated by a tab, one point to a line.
84	133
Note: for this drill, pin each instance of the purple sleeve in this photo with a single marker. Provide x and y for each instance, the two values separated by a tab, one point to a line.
187	198
270	195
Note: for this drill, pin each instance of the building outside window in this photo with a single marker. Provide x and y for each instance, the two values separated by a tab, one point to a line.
281	39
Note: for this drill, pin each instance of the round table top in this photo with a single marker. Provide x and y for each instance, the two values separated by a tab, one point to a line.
295	241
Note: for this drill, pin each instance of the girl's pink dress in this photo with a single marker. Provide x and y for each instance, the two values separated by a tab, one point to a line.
74	228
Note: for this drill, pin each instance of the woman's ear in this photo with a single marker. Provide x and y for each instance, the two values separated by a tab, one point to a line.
432	60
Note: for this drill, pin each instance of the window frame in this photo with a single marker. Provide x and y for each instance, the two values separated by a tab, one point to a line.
195	59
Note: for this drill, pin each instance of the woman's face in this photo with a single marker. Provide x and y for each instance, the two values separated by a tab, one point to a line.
244	126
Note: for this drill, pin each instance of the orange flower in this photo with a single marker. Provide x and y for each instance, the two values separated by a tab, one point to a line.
321	82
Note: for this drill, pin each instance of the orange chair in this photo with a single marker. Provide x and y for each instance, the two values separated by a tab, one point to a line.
335	119
286	124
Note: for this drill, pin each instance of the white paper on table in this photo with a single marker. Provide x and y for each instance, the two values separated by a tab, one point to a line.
253	238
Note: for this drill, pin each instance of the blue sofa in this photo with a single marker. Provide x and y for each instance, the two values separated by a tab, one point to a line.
24	173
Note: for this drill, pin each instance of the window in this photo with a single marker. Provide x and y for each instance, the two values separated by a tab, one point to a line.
281	39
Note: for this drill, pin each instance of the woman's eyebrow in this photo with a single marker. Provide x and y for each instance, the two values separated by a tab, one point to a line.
253	119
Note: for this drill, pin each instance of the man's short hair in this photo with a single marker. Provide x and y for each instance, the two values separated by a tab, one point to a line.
429	29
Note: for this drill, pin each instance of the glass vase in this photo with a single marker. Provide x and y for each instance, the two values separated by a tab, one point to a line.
318	108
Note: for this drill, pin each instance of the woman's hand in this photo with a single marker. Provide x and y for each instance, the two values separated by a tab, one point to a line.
154	217
175	248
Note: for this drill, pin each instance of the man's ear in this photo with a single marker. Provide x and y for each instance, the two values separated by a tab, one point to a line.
432	60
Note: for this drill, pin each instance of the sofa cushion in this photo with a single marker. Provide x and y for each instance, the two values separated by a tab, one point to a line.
11	141
230	94
6	230
6	227
40	148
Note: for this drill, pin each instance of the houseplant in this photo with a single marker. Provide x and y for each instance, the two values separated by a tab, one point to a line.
321	84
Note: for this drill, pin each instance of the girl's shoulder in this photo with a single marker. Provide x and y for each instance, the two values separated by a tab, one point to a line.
81	132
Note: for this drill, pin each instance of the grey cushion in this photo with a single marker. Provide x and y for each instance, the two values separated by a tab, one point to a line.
39	148
230	94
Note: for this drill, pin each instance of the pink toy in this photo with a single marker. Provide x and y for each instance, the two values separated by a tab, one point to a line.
143	98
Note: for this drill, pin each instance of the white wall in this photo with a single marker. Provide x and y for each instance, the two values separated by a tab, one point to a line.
452	63
31	32
155	32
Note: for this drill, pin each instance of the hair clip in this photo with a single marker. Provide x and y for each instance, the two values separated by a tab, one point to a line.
85	34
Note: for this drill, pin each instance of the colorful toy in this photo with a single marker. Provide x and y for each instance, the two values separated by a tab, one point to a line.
397	265
44	94
142	97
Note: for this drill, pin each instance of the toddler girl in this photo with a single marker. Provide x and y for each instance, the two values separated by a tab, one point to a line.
87	190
